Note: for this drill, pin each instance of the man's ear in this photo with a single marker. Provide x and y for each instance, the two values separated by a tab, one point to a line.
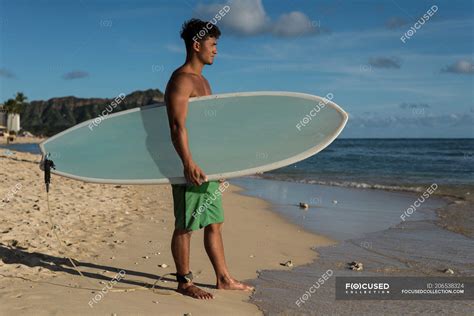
196	46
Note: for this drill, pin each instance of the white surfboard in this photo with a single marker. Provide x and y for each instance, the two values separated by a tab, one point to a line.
230	135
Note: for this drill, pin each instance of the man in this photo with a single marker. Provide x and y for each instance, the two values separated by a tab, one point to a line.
185	82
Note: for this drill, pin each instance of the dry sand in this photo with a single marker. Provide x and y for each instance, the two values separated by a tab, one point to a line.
109	228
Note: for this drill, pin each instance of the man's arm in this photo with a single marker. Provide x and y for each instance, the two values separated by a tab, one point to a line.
177	96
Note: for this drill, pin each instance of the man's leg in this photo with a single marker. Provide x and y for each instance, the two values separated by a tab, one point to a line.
215	250
180	247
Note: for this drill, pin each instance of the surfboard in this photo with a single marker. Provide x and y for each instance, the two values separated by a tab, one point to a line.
230	135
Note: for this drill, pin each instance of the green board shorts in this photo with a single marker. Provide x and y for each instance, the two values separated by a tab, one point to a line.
196	206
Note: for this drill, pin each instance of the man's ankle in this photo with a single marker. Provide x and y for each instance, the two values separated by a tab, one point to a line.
185	277
224	278
182	285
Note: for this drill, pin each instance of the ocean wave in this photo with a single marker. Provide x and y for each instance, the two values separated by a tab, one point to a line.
347	184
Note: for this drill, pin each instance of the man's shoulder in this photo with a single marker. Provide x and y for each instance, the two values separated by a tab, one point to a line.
182	76
181	79
181	73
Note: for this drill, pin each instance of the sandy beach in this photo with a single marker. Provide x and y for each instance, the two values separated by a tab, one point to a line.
111	229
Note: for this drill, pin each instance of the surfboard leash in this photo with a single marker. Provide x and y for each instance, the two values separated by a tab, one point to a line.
47	165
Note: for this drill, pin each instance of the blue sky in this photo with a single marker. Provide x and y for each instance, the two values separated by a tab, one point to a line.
352	49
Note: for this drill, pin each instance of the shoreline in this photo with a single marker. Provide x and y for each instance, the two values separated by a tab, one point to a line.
416	247
453	217
23	140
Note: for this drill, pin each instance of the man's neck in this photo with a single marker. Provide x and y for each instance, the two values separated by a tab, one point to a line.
194	65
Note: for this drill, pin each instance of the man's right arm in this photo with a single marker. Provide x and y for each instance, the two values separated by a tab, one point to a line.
177	93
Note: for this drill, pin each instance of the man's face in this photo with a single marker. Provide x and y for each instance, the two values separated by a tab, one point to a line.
207	50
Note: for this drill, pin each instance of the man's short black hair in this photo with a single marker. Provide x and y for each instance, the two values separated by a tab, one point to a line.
198	30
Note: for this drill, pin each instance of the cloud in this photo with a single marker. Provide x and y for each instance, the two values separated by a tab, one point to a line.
414	106
248	18
395	23
385	62
294	24
77	74
6	73
462	66
175	48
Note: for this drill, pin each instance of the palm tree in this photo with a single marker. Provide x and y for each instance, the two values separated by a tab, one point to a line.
10	106
14	106
20	99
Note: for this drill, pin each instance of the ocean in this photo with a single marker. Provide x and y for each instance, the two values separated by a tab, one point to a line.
26	147
407	164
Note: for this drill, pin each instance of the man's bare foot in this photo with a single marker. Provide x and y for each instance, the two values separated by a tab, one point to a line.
229	283
190	289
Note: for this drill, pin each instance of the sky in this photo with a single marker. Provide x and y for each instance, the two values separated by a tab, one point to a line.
392	81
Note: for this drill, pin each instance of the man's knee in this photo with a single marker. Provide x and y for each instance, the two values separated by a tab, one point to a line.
215	227
182	232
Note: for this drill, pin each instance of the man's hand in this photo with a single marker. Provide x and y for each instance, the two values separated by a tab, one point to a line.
194	174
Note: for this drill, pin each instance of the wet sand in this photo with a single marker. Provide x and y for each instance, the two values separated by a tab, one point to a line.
374	235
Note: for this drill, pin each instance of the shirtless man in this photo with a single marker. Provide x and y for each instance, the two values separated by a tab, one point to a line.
185	82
